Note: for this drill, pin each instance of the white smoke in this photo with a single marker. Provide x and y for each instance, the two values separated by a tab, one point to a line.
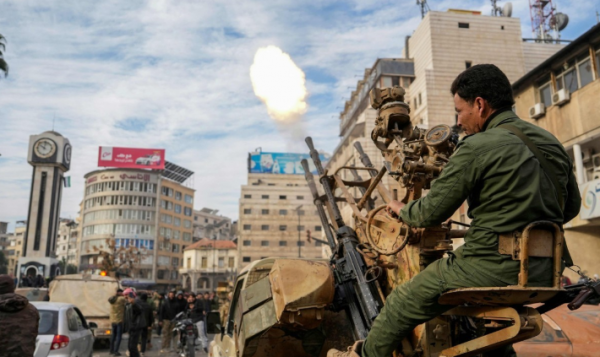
280	84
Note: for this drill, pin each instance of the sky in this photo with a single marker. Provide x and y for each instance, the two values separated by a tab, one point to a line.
176	75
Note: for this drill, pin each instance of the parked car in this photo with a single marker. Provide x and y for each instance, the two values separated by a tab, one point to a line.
565	333
63	331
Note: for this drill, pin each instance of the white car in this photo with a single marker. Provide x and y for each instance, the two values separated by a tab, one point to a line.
63	331
148	160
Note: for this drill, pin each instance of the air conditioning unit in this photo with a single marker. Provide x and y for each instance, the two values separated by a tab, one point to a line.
561	97
596	162
537	111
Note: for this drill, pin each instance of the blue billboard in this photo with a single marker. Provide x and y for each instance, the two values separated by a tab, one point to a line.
281	163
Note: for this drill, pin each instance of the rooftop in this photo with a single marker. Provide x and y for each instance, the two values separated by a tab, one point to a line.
206	243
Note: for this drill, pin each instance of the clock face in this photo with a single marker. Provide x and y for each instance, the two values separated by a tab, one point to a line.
44	148
67	154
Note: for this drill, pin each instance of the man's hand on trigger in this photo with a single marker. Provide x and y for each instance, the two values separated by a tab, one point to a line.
393	208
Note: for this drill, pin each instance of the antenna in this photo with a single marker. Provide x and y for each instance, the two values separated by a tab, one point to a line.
505	11
424	7
546	23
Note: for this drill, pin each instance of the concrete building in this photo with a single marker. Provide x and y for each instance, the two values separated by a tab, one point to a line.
561	95
209	224
3	235
148	210
14	248
208	262
276	210
66	242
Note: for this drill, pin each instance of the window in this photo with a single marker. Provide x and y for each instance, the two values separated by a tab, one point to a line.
585	72
265	197
318	244
317	228
177	222
283	197
567	80
598	63
420	102
283	212
415	103
300	228
247	227
265	211
231	262
178	195
160	274
247	243
162	260
283	227
264	227
187	223
175	234
264	243
301	212
463	25
468	64
221	262
245	260
204	262
299	197
247	210
187	236
72	322
300	243
175	248
247	196
546	95
189	199
177	208
187	211
282	243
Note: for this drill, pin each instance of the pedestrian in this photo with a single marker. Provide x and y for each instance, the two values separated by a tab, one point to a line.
117	314
214	301
207	308
506	167
158	305
134	322
195	312
145	323
224	309
18	321
166	315
181	302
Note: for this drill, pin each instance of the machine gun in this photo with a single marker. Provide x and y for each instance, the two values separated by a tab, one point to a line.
355	293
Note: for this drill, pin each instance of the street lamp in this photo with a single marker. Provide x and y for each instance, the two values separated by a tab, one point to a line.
297	209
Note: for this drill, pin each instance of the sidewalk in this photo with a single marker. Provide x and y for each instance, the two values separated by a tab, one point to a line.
154	352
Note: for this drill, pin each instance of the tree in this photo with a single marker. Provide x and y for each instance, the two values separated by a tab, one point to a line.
3	64
120	260
3	263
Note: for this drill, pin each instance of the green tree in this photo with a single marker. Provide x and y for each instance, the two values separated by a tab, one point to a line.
71	269
3	263
3	64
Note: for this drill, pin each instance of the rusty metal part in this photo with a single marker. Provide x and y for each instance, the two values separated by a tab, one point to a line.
373	273
520	325
392	235
503	296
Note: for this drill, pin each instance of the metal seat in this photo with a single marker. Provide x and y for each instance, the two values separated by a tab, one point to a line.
502	307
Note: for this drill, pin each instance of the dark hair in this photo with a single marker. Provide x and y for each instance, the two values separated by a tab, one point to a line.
486	81
119	290
144	296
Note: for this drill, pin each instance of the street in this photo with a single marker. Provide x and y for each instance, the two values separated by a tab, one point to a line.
150	352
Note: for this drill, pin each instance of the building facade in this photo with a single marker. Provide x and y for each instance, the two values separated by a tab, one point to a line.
276	210
209	224
142	211
208	262
14	248
561	95
66	242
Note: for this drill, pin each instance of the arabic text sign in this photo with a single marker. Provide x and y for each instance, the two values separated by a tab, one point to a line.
134	158
590	194
281	163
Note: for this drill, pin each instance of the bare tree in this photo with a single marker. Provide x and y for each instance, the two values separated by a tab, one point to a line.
3	64
122	259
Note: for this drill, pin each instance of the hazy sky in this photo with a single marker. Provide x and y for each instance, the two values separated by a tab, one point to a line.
175	75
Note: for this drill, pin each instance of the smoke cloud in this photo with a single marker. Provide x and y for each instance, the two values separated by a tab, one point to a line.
280	84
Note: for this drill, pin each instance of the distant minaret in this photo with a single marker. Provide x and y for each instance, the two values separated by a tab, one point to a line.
50	156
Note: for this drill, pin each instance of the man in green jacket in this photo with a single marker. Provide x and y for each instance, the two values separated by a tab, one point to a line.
506	188
117	316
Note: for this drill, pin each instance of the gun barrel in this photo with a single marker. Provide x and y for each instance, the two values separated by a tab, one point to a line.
314	154
320	210
364	158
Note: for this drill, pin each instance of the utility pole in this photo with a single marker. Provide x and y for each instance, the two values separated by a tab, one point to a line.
299	247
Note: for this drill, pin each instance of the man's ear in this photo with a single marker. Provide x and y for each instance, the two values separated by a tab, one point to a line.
481	105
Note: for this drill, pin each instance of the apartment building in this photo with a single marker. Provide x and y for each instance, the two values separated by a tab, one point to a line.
66	242
209	224
276	211
561	95
14	247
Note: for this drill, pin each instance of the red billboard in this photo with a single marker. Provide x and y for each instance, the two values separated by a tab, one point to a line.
132	158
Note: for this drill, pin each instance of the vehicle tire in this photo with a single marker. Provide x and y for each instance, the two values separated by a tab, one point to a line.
189	345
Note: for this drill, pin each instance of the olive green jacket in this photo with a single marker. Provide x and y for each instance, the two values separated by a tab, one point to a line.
505	187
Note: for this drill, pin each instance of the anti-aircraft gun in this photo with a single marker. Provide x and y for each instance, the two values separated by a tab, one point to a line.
390	252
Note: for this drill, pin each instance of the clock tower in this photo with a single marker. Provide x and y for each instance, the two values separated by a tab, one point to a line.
50	156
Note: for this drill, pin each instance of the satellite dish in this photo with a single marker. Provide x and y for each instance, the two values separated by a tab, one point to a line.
507	10
561	20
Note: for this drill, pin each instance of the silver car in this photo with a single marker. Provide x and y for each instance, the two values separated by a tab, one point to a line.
63	331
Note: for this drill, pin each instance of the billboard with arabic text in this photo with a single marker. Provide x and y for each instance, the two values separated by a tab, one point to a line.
131	158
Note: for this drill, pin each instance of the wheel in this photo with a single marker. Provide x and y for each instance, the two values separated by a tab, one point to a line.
386	235
189	345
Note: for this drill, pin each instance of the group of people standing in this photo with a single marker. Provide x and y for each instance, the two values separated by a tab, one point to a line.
136	314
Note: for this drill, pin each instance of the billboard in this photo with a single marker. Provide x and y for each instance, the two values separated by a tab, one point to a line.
590	194
281	163
132	158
